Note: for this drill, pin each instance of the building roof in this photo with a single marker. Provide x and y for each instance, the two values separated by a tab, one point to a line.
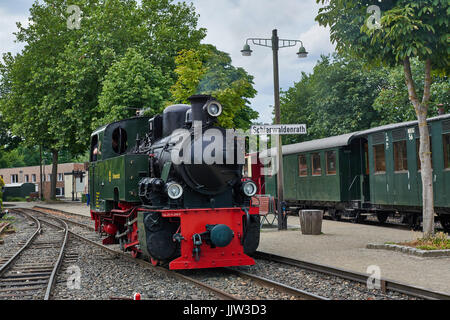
342	140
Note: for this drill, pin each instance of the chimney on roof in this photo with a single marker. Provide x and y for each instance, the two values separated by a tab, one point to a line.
441	109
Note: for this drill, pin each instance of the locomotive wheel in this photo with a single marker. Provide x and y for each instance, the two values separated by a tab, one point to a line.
135	253
154	262
251	241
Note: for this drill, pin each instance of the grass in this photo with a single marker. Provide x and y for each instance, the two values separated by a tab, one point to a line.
439	241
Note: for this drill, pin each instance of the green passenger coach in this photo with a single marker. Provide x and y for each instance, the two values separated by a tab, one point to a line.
376	171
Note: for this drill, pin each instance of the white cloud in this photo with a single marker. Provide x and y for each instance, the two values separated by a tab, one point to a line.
231	22
7	28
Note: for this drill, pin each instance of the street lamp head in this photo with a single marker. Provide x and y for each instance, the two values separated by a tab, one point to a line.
302	53
246	52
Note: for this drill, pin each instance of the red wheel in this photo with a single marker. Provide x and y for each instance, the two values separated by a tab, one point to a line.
154	262
135	253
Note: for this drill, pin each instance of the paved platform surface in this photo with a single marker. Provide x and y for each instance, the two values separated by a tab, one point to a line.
341	245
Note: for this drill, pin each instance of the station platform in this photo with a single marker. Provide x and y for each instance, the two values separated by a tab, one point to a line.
341	245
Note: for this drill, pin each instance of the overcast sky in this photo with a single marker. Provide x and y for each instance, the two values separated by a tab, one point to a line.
229	24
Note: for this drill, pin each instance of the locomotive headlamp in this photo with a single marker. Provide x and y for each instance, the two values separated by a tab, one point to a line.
249	188
214	109
174	190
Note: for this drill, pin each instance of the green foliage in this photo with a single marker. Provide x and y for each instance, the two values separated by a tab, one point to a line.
131	84
51	90
2	183
393	104
190	70
408	29
336	98
209	71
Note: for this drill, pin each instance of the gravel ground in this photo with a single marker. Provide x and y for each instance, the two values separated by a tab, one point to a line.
24	229
40	252
330	287
105	276
243	288
74	217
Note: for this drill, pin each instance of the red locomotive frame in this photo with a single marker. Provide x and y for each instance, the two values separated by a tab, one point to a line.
192	221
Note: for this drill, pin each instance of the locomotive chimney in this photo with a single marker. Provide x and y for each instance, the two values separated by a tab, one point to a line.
197	104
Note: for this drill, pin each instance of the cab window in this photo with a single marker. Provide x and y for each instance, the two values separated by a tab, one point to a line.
95	148
119	140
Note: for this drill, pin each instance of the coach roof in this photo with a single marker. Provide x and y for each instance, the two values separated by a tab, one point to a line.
344	139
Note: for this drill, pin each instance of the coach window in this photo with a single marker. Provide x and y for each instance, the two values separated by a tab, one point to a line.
400	157
331	162
316	167
380	159
302	166
446	141
419	164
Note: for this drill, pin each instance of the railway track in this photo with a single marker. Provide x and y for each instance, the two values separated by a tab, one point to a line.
30	272
82	231
278	288
356	277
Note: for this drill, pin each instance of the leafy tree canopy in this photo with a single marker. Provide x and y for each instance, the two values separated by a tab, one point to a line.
336	98
131	84
209	71
417	28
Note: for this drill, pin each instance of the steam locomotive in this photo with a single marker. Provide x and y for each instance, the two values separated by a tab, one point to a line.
171	188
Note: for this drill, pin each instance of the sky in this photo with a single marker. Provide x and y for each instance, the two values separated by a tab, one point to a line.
229	24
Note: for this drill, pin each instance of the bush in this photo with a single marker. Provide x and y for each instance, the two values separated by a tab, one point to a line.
16	199
439	241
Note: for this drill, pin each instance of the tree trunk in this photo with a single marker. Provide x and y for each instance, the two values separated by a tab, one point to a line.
424	149
54	174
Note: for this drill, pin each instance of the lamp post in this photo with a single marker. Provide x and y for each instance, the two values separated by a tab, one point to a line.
276	43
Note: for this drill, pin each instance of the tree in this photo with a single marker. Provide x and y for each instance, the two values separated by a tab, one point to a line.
393	104
209	71
406	30
2	183
132	84
336	98
50	91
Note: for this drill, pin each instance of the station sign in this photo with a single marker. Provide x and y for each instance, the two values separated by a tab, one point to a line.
278	129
